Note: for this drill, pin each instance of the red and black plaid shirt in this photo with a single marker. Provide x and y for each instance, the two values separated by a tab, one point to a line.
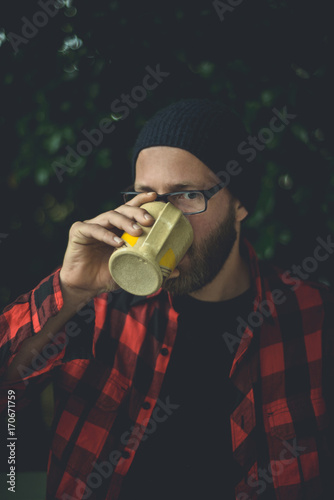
108	367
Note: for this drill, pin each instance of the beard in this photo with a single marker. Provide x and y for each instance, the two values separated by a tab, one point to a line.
205	259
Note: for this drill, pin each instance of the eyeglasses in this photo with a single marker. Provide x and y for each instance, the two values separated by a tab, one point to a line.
189	202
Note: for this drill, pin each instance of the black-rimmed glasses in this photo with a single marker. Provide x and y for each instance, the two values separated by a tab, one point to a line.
189	202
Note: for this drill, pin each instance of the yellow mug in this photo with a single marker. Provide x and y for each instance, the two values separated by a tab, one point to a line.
142	264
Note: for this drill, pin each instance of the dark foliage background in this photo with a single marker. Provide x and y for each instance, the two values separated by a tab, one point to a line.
263	54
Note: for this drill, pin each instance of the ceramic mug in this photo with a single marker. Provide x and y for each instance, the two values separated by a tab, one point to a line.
142	264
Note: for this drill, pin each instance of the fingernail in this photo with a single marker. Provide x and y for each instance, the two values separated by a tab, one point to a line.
117	239
148	216
135	226
150	194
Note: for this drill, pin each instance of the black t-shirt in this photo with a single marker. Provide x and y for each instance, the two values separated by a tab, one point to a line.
189	455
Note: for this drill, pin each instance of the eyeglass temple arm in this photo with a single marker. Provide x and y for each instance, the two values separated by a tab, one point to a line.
210	192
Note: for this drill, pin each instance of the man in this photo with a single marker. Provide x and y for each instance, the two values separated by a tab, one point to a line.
216	386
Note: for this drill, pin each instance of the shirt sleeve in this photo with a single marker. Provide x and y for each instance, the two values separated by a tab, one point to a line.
20	321
328	350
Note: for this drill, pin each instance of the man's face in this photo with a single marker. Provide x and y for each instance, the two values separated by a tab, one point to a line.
165	169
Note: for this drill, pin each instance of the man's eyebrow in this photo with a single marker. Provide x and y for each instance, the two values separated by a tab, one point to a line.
170	187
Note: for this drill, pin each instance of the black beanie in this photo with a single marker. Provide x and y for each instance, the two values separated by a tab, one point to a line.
211	132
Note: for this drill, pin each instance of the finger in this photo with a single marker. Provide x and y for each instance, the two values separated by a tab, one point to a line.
85	234
137	214
133	212
114	220
141	198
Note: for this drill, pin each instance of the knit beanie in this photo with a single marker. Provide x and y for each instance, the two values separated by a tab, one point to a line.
210	131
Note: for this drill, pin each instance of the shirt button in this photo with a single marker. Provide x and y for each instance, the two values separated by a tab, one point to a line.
125	454
146	405
164	351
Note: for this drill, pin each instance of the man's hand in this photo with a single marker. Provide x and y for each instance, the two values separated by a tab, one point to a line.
85	271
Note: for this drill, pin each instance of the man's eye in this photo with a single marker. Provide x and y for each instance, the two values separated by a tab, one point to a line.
191	196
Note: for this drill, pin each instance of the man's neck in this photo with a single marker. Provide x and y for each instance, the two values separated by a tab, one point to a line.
231	281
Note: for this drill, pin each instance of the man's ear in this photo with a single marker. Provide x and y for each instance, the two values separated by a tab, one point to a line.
240	211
